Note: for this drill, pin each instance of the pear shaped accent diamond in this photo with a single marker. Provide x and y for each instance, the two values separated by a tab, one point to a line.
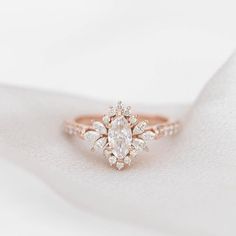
148	135
140	127
99	127
139	144
100	143
133	153
91	136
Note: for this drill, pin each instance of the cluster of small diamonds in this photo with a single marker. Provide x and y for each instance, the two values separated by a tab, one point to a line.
167	129
98	136
72	130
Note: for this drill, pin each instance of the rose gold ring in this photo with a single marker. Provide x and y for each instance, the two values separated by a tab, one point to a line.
119	134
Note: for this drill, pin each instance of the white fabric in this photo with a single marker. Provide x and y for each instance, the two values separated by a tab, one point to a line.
185	185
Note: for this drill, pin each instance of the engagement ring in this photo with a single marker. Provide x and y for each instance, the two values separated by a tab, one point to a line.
119	134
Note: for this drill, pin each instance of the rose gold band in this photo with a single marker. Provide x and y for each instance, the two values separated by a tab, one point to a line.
161	125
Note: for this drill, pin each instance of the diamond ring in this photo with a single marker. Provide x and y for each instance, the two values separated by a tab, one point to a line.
119	134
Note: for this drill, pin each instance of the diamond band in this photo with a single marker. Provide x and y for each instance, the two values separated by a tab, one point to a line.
120	134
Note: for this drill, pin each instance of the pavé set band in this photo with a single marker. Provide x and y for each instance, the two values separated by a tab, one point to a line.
119	134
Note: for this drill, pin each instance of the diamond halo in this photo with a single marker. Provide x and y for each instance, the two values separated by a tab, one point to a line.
119	135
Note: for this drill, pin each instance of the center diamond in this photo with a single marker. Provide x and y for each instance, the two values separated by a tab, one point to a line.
120	137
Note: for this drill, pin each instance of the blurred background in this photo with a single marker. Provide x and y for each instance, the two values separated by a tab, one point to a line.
135	51
142	51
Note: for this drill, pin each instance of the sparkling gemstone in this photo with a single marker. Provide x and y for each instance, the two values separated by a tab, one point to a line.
127	160
140	127
106	120
127	111
120	137
112	160
99	127
139	144
148	135
133	153
112	111
133	120
91	136
107	153
119	105
120	165
100	143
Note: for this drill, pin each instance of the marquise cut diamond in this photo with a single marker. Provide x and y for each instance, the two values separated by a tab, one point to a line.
120	137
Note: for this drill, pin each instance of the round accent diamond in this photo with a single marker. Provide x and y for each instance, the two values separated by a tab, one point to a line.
106	120
112	160
120	165
112	111
133	120
127	160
